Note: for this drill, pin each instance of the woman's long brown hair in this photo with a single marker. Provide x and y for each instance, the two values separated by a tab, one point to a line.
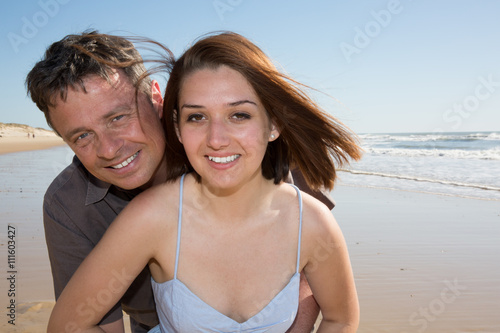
310	139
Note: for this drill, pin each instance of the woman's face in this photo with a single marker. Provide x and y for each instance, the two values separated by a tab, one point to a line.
223	127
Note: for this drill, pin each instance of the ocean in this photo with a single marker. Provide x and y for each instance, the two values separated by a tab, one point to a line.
459	164
463	164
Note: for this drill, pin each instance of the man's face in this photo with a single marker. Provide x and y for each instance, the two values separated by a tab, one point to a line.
117	140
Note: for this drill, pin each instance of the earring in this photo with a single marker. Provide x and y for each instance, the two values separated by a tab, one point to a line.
272	136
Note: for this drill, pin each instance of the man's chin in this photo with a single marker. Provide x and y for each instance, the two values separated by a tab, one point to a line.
135	178
130	183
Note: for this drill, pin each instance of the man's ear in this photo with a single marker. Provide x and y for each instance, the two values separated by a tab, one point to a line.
156	98
176	124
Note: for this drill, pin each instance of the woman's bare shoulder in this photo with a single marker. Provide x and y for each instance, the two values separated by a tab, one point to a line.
319	222
155	205
315	214
314	211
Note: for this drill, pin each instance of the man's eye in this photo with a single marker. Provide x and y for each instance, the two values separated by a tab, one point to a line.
82	136
195	117
118	117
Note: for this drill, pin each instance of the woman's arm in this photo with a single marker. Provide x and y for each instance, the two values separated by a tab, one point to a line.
107	272
328	270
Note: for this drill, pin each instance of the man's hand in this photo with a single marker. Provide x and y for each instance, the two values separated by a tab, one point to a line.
308	309
114	327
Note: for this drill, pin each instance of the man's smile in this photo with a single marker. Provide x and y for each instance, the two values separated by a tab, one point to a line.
126	162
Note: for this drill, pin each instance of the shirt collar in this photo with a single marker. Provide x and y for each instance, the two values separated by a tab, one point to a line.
98	189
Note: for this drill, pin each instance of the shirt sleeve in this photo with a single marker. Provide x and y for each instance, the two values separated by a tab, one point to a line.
67	247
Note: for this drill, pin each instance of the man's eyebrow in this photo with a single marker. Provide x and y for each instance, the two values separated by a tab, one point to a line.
195	106
111	113
116	110
73	132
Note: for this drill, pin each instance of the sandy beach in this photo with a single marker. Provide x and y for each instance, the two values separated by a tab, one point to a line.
17	137
17	144
422	262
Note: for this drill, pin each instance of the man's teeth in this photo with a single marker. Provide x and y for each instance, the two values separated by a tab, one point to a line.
126	162
223	160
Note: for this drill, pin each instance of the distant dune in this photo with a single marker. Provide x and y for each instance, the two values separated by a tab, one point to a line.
19	137
16	130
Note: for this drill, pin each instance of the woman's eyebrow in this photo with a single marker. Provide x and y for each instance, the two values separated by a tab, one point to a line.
232	104
191	106
245	101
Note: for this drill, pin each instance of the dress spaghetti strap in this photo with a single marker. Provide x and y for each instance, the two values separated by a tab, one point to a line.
299	194
179	224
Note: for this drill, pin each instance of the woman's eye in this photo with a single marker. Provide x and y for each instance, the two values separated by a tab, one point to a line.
241	116
195	117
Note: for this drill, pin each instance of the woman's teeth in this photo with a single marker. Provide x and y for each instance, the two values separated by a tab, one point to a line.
223	160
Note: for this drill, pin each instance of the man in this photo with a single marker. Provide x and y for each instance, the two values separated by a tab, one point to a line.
94	93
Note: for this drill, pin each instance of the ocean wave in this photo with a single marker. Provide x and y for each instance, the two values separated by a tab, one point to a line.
493	136
486	154
430	137
422	179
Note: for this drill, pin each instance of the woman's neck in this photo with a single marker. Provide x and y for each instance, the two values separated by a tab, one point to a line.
237	204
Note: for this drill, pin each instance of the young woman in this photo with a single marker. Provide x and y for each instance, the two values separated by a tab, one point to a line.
225	238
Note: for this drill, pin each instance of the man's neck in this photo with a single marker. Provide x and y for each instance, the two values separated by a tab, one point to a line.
159	177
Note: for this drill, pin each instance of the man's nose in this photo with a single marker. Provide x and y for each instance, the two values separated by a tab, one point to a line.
108	145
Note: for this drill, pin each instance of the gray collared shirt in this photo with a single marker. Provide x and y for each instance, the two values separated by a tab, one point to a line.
77	210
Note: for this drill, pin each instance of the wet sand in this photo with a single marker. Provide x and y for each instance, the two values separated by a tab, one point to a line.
422	262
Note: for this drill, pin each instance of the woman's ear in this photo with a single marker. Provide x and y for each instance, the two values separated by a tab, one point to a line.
176	124
275	133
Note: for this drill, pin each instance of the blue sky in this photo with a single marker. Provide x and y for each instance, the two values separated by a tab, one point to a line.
395	66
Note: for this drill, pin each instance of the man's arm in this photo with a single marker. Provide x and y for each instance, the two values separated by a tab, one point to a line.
67	247
308	309
322	195
114	263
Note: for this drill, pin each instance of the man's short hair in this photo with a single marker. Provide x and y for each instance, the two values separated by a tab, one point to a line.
68	62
